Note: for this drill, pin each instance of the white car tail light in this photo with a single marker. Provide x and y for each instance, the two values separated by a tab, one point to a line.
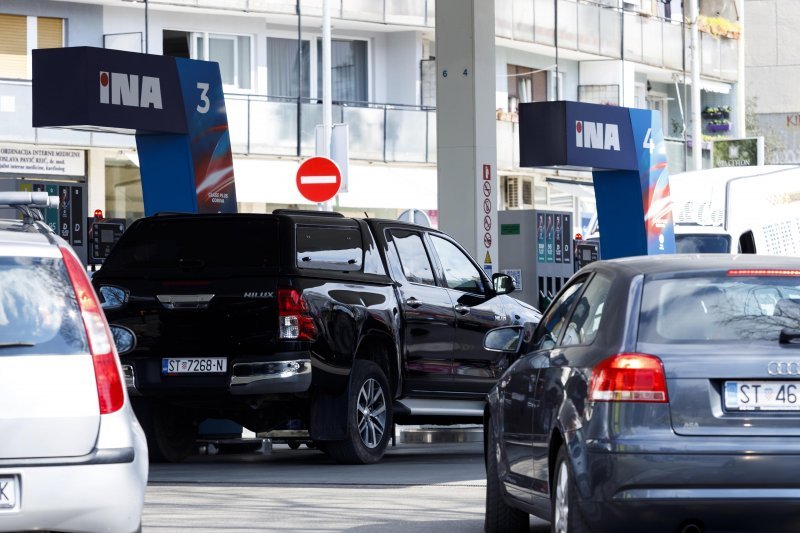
110	393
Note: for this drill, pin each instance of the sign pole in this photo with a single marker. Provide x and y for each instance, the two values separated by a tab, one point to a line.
327	114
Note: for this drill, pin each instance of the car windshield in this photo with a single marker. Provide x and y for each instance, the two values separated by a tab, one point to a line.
726	307
38	310
702	244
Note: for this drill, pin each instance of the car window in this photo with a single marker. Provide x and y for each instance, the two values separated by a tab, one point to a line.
329	248
413	257
555	318
585	320
207	246
459	272
38	310
725	307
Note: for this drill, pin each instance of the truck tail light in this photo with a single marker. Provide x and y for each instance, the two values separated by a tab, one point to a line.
294	318
629	377
110	393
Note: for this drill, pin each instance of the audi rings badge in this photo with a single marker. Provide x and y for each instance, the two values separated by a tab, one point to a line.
783	368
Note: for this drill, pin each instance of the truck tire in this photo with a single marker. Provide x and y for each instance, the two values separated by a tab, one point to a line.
369	417
171	432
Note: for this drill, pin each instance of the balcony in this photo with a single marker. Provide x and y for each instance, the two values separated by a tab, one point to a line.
598	29
265	126
399	12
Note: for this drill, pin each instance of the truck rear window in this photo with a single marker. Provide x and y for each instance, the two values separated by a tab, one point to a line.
722	307
702	244
204	245
38	310
329	248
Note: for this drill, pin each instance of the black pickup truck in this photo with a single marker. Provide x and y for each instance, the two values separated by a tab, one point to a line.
302	319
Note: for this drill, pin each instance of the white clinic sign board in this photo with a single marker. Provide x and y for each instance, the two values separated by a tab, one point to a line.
23	159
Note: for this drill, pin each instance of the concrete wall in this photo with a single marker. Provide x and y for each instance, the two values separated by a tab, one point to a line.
403	52
772	54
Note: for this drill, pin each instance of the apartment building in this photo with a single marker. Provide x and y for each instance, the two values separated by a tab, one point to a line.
617	52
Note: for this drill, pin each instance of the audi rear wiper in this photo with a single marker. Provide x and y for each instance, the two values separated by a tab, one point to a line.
18	344
789	336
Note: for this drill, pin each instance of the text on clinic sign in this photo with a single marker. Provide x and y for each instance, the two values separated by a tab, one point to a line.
35	160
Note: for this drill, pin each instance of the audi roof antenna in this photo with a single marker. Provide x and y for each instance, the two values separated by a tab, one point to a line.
366	215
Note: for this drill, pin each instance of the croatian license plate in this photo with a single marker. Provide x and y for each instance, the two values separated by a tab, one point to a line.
194	365
762	395
8	493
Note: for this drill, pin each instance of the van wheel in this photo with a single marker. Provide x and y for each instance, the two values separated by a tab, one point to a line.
369	417
171	432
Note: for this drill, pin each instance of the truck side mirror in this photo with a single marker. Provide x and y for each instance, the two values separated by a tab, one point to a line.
503	283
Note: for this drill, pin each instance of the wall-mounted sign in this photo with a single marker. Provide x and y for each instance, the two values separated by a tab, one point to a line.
24	160
738	152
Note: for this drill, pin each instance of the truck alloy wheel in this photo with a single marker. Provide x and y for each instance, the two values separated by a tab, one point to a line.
371	413
369	417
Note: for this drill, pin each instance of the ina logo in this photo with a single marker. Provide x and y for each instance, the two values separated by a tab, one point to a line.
128	90
596	135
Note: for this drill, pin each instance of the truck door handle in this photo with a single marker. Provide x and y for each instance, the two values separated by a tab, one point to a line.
461	309
413	302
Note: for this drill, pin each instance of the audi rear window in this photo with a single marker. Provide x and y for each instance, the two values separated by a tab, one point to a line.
38	310
722	307
206	246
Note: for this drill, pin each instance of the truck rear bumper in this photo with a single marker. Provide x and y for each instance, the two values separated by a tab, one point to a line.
272	377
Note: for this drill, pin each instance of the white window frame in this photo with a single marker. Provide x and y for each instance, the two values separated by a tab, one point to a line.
312	38
206	35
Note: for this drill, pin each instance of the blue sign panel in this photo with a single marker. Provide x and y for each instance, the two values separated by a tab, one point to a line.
625	150
176	107
93	88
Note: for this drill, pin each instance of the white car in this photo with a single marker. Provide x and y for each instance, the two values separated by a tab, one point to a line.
72	455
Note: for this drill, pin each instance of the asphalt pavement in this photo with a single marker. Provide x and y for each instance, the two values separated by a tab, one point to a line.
415	488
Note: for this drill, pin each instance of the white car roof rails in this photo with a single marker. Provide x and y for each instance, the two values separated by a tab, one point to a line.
28	203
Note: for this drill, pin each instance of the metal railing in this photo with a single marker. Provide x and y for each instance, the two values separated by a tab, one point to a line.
262	125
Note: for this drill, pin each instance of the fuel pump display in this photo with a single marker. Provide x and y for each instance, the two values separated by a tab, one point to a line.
539	244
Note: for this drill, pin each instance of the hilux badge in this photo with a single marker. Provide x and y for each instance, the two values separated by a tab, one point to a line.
259	295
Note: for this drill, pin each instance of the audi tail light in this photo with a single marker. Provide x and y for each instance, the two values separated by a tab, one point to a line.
294	317
110	393
629	377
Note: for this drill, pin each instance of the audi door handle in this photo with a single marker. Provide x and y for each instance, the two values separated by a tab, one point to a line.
461	309
413	302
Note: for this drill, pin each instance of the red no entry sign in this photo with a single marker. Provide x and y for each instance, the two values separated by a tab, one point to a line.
318	179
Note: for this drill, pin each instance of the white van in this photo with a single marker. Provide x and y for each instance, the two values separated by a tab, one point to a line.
738	210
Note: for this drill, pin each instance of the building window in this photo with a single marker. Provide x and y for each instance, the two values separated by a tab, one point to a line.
283	66
232	52
14	43
525	85
348	70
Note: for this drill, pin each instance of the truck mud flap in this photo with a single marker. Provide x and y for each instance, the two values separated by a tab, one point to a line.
329	417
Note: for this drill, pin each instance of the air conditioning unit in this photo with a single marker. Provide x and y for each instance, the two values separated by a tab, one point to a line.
519	192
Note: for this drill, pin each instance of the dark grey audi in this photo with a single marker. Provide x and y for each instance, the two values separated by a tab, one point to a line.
656	394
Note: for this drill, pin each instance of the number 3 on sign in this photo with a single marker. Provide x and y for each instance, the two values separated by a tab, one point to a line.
648	140
205	103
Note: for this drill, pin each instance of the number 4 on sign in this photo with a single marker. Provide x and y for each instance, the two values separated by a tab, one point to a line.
648	140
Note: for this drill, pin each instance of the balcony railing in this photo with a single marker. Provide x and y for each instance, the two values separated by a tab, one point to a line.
261	125
401	12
